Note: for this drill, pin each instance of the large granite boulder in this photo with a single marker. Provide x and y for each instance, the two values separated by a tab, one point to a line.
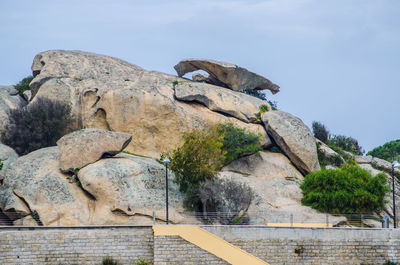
7	156
238	105
134	187
110	94
9	99
294	138
233	76
34	184
124	189
83	147
275	183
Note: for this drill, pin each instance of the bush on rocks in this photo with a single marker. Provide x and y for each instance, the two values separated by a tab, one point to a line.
346	190
38	125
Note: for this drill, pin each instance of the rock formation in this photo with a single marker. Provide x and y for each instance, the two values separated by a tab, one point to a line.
81	148
232	76
218	99
7	156
111	94
294	138
9	99
122	105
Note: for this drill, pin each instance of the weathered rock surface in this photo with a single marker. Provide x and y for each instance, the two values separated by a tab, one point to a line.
238	105
323	148
294	138
83	147
111	94
124	189
132	186
265	165
276	186
233	76
34	183
363	159
9	99
7	156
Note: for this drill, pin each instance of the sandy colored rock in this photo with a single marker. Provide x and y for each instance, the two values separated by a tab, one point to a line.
275	183
9	99
265	165
7	156
83	147
294	138
223	100
34	183
110	94
363	159
132	186
233	76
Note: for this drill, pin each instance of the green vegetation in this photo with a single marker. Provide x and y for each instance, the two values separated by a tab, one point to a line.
320	131
338	142
388	262
324	160
263	109
346	190
390	151
109	261
1	164
203	154
142	261
23	85
237	142
260	95
36	126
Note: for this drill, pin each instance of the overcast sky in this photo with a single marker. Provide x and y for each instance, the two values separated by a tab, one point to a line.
336	61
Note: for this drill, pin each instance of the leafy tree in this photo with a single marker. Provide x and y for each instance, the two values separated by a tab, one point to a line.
198	159
320	131
390	151
203	153
226	199
237	142
347	190
23	85
38	125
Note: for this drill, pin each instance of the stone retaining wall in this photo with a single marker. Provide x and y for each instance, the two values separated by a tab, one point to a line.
56	246
277	246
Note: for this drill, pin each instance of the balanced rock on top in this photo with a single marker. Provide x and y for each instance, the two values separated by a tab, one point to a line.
231	75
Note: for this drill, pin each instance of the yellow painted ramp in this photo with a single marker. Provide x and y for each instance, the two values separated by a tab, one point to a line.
209	242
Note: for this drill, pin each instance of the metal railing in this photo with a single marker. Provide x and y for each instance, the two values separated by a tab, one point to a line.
223	218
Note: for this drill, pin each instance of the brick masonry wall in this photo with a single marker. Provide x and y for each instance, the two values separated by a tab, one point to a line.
59	246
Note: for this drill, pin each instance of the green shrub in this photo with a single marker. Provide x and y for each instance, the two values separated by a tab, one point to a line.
390	151
237	142
203	153
141	261
23	85
260	95
388	262
1	164
38	125
320	131
227	200
109	261
346	143
346	190
198	159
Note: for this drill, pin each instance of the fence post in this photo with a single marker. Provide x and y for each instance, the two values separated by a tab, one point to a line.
291	219
154	217
327	220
